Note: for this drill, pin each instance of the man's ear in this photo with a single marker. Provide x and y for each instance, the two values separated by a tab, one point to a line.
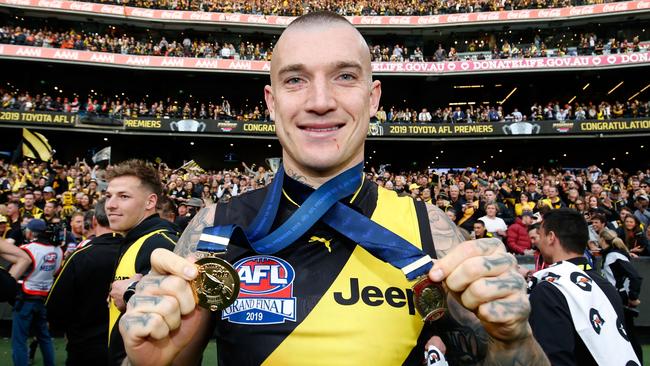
270	101
151	202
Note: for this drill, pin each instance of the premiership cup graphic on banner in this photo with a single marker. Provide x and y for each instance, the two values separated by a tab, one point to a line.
187	125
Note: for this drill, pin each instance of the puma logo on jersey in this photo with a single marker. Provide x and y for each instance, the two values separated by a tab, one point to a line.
317	239
374	296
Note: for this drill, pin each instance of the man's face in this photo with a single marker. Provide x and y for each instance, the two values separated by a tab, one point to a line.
469	194
29	201
38	195
534	237
490	196
182	210
552	192
596	189
454	192
321	96
49	209
543	244
597	225
128	202
12	209
479	230
77	224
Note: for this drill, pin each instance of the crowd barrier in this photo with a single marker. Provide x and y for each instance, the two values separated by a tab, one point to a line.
539	64
180	126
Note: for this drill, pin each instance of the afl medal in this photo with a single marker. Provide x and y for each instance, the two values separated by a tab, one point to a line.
217	285
430	299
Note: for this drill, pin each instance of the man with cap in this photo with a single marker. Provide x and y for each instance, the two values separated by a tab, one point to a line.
29	311
414	188
49	194
193	205
619	198
518	239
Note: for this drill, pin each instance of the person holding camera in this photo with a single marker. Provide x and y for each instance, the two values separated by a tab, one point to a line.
30	305
227	189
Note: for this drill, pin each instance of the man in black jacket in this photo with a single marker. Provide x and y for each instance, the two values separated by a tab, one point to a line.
77	301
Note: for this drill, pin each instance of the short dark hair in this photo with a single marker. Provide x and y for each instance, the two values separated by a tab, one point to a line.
100	213
534	226
480	222
147	174
599	217
570	227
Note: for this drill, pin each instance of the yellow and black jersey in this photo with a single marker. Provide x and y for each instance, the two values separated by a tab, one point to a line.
323	300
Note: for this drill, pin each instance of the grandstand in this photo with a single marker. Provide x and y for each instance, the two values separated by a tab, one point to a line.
119	74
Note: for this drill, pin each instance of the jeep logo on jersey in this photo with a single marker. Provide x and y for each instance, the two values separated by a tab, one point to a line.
596	321
266	292
582	281
374	296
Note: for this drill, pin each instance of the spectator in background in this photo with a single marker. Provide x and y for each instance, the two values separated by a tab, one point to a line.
524	204
424	116
518	240
642	213
623	276
494	225
633	236
480	231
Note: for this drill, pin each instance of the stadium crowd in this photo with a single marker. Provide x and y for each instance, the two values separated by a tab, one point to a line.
366	7
495	45
172	108
482	203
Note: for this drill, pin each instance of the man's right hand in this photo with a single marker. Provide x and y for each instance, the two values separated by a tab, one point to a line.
161	317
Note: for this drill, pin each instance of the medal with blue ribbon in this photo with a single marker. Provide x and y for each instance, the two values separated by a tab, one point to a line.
324	204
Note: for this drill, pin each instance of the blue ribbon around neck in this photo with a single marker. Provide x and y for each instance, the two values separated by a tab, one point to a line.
324	203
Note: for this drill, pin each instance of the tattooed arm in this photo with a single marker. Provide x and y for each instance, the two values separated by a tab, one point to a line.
186	245
162	324
488	307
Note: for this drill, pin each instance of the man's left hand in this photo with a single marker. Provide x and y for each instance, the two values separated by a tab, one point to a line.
484	279
118	288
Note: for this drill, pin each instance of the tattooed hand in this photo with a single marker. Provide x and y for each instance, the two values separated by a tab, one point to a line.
161	317
484	279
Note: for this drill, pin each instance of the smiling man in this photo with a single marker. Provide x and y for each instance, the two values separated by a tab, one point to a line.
330	290
131	197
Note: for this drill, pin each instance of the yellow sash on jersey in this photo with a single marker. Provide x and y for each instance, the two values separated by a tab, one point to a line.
359	334
126	269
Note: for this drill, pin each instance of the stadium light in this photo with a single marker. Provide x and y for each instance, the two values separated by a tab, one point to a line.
639	92
572	99
586	86
614	88
508	96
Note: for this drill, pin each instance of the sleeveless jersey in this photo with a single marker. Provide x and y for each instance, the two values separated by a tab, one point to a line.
324	300
46	261
126	269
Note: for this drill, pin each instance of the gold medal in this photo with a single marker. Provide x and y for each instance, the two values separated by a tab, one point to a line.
430	299
217	285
